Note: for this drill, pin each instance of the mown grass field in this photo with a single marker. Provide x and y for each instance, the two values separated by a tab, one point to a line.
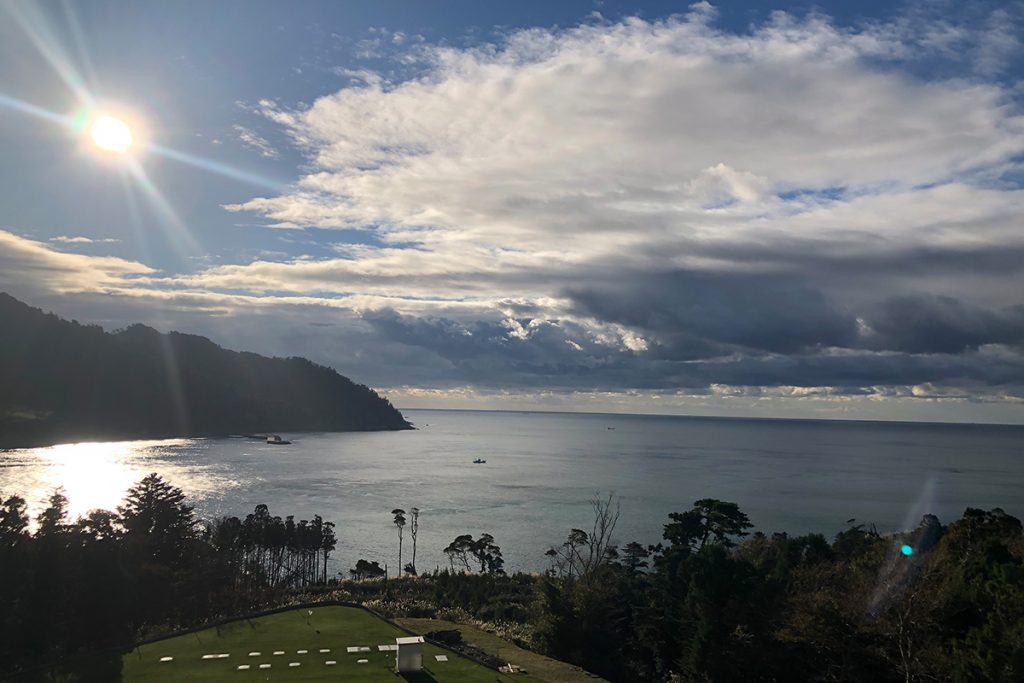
333	628
538	666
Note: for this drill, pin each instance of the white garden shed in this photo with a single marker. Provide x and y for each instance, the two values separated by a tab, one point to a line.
409	656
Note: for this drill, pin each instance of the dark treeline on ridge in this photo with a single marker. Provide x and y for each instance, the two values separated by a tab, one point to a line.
711	602
102	580
62	381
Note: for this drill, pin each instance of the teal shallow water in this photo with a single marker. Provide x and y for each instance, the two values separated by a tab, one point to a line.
542	468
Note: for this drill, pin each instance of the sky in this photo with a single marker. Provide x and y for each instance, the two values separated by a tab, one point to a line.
756	209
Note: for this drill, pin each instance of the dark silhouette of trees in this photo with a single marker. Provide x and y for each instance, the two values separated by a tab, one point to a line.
13	521
100	525
483	550
100	580
458	552
582	612
488	554
583	554
567	560
366	570
157	520
711	602
265	550
634	557
53	520
710	520
707	605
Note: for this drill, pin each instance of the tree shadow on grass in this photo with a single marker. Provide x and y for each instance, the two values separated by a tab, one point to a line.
92	668
423	676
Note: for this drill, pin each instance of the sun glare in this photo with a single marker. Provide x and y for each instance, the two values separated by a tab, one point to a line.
111	134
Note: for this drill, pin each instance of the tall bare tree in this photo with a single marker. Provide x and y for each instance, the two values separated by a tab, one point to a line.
414	527
400	523
582	554
606	516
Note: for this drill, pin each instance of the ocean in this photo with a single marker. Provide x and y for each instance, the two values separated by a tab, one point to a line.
542	470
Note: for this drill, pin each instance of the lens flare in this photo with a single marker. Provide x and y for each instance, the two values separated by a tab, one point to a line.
907	550
111	134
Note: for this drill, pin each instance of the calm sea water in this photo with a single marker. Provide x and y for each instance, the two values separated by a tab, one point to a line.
541	470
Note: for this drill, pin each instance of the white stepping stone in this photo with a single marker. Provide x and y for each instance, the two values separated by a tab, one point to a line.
324	649
209	656
302	652
223	656
364	649
350	650
441	658
254	654
264	666
278	652
167	659
294	664
243	667
330	662
362	661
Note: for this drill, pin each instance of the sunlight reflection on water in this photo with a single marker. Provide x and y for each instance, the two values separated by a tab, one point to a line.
97	475
541	471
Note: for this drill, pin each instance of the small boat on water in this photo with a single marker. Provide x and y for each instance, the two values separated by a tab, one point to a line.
276	440
479	461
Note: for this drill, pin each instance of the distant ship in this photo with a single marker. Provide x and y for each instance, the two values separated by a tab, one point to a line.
479	461
276	440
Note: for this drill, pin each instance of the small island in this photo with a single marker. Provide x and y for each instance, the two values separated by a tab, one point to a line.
62	381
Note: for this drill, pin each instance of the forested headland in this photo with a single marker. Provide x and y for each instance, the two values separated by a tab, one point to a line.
710	602
61	381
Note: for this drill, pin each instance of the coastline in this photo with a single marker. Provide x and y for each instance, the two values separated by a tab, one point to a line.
72	436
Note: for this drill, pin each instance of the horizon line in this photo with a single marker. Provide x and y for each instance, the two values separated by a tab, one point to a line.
1018	425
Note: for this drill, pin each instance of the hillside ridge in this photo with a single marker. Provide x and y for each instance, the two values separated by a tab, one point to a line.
63	381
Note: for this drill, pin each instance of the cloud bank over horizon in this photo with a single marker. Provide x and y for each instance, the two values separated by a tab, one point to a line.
642	212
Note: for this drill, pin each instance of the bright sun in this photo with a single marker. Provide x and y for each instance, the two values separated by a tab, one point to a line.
111	134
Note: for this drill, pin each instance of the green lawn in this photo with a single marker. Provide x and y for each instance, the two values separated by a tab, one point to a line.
333	628
539	666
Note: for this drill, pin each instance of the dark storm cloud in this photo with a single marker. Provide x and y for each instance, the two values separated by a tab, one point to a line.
859	369
941	324
559	355
861	256
703	313
505	353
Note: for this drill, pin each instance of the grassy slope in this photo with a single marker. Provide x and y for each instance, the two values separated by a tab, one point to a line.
539	666
329	627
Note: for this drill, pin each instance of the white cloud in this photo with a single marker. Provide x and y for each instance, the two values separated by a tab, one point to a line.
720	184
629	131
1000	43
33	267
529	166
561	159
505	180
252	139
66	239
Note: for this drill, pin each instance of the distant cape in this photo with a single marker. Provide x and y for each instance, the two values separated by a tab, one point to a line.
61	381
